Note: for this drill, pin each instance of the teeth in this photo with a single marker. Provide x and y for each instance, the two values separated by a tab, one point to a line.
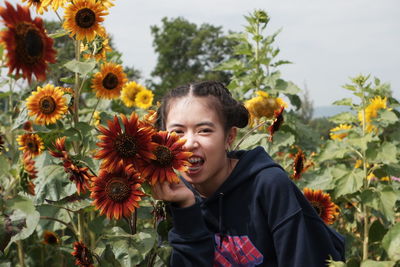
195	160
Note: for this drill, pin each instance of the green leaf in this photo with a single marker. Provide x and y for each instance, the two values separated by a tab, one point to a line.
344	117
387	116
58	34
320	181
252	140
388	198
344	102
371	263
129	250
82	68
53	184
23	210
4	165
333	263
349	183
391	242
376	232
21	119
333	150
281	139
387	153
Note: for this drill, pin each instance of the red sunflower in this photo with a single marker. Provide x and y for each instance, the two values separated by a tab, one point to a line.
322	204
117	194
169	155
83	256
29	49
123	147
78	174
277	123
300	165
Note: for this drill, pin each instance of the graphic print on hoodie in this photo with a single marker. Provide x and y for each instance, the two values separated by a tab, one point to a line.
236	251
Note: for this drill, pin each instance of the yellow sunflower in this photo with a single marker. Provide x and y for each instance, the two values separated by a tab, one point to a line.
83	18
109	81
55	4
263	105
144	99
31	144
340	132
47	104
129	92
106	3
38	4
371	111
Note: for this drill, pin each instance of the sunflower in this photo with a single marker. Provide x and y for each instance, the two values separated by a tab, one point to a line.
29	49
117	194
83	18
144	99
276	124
109	81
106	3
263	106
120	147
322	204
47	104
129	92
55	4
29	166
1	143
78	174
83	256
96	118
300	165
38	4
97	49
340	132
50	238
169	156
31	144
27	126
371	111
150	118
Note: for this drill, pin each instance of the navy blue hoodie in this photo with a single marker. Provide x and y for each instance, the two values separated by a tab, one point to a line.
258	217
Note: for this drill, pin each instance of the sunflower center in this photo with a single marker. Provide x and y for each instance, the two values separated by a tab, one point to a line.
164	156
47	105
118	189
32	145
318	207
29	43
85	18
125	146
51	239
110	81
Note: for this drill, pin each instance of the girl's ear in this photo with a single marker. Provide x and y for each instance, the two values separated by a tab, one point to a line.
231	136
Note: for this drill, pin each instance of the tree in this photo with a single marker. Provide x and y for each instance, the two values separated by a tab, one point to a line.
306	111
188	52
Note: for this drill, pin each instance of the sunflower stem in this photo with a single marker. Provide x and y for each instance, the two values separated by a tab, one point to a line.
364	208
21	253
250	132
94	110
58	16
73	229
81	226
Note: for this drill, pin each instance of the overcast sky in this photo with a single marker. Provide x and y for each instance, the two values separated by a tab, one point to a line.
328	41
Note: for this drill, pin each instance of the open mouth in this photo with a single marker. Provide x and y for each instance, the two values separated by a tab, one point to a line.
196	162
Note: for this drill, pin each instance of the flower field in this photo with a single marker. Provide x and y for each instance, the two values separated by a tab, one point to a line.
78	154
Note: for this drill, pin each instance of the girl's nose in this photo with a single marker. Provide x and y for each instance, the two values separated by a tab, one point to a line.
191	142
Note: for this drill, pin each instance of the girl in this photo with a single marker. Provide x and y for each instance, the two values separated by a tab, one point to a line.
234	208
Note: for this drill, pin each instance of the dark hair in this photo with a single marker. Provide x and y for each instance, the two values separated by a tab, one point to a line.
232	112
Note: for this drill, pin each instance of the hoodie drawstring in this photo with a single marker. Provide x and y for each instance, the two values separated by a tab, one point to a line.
220	219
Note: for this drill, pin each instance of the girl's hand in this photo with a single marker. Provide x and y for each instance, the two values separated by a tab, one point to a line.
177	193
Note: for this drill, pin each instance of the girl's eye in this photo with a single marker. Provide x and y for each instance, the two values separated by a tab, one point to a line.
206	130
179	132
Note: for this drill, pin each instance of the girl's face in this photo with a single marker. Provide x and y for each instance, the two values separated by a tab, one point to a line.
196	120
